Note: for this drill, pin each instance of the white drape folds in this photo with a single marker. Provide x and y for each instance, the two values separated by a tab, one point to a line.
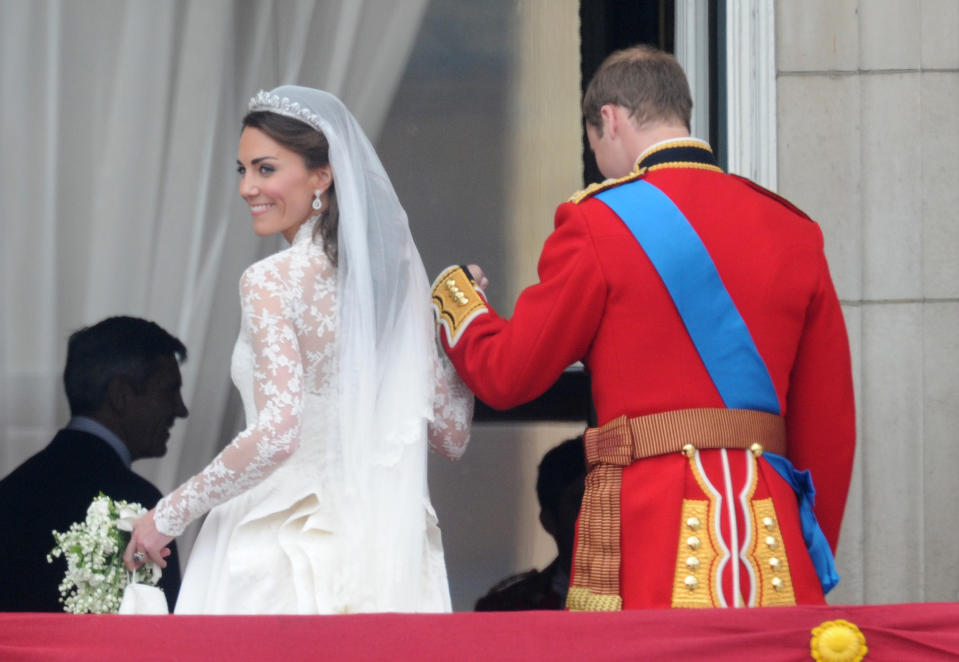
118	132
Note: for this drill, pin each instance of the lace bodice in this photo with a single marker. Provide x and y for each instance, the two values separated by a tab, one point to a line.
286	357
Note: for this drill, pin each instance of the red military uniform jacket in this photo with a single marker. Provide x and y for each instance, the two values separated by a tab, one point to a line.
601	301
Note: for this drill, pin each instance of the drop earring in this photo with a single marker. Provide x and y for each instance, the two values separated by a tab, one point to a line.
317	200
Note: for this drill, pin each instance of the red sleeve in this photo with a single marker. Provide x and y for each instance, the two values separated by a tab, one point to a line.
509	362
820	407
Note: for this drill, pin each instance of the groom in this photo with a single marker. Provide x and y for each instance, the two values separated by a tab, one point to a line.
703	308
122	380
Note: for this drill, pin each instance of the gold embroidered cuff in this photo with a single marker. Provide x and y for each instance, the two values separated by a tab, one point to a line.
456	302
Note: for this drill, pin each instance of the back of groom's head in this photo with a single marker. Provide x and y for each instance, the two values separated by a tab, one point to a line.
118	347
644	80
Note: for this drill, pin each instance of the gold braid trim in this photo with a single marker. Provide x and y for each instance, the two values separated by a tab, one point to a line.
672	144
639	170
769	554
696	557
596	562
694	165
582	599
598	187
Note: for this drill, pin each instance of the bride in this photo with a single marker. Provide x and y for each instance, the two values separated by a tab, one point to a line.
321	505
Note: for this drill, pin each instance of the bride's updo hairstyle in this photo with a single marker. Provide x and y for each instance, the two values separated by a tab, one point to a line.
315	150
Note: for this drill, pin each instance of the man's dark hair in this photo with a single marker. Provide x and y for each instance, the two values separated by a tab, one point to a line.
560	466
125	347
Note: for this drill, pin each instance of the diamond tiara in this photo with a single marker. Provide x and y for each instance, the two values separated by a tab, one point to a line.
283	106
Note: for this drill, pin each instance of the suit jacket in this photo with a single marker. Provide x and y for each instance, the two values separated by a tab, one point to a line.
600	300
50	491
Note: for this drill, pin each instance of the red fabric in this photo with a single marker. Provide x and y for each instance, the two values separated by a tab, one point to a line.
893	633
600	300
651	547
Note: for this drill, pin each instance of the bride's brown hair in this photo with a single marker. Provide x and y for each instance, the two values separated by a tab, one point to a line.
315	150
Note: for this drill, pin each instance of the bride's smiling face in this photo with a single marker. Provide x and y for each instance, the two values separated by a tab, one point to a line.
276	184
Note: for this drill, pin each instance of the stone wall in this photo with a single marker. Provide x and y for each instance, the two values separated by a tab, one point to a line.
868	131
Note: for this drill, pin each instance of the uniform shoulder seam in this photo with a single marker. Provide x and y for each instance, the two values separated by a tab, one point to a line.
775	196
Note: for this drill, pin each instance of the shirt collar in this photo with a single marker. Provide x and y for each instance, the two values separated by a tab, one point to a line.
90	426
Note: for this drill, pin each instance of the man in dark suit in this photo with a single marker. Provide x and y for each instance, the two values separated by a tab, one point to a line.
122	380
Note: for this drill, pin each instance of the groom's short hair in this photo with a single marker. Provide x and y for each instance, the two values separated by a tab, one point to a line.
124	347
648	82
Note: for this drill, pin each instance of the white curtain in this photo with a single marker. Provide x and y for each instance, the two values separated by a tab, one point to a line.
118	131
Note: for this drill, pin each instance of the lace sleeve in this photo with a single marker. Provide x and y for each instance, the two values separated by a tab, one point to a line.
278	384
449	432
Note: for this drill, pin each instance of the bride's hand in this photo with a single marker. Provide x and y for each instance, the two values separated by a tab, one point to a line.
146	540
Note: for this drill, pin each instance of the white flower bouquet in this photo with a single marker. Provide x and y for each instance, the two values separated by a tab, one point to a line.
95	579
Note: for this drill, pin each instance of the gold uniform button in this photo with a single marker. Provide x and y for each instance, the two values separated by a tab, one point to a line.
771	542
769	523
693	523
692	563
774	563
689	450
756	449
691	583
777	583
693	542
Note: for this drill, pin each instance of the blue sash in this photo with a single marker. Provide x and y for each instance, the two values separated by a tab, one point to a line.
716	329
815	539
711	318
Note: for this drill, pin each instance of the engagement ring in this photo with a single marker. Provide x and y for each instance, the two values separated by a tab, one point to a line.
139	557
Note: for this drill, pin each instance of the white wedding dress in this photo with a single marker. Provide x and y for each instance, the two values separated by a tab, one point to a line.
284	533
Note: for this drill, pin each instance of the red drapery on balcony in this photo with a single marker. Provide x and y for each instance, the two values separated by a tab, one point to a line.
893	632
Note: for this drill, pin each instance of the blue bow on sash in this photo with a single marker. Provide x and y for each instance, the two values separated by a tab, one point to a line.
717	330
815	539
